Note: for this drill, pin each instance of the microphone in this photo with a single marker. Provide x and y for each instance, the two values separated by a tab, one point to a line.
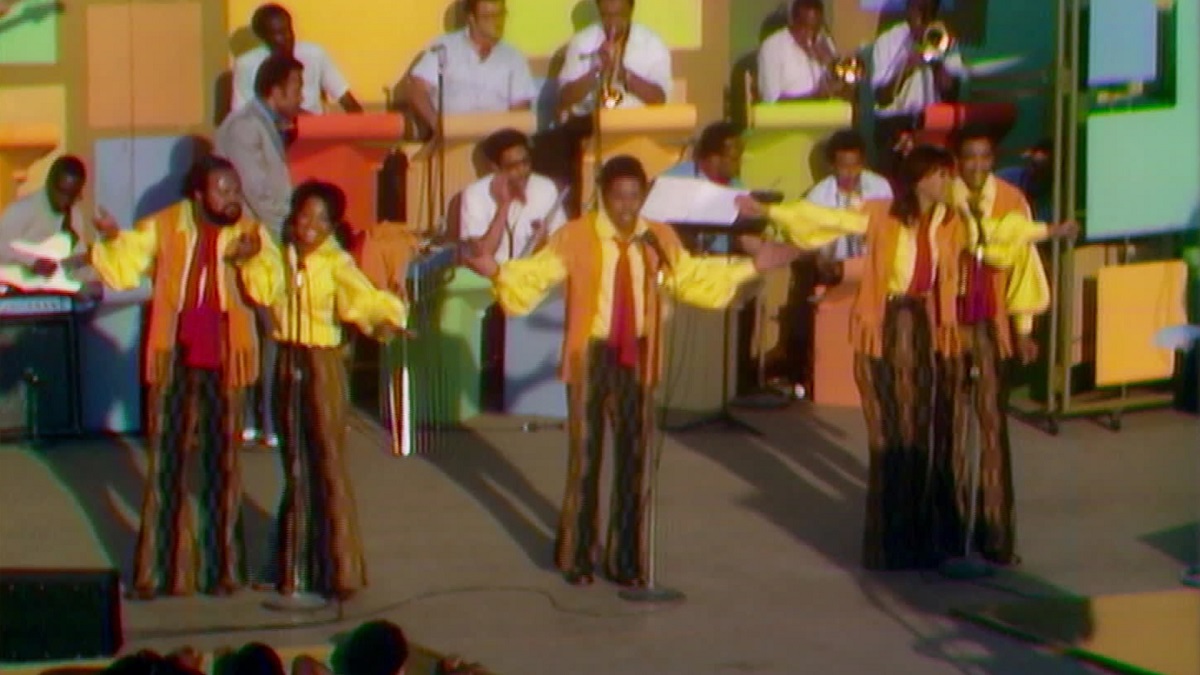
650	239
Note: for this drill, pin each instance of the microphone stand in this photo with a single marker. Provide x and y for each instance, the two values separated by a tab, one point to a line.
597	142
971	565
440	139
652	592
301	599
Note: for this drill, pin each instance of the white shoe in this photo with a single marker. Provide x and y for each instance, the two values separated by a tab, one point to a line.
272	441
250	435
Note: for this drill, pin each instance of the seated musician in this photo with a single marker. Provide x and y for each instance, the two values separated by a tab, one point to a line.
272	24
508	214
907	78
717	157
848	186
36	217
634	63
796	62
480	71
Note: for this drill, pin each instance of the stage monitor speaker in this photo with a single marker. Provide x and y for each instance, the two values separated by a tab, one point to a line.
38	358
57	615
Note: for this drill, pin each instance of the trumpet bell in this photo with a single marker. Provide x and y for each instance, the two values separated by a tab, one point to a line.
848	70
613	99
935	42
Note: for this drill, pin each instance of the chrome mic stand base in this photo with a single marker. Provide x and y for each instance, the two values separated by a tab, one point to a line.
296	601
651	594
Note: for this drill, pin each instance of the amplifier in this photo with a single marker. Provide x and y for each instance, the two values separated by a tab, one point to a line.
59	615
39	371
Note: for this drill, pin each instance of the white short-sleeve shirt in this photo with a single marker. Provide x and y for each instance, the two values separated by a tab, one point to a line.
473	84
785	70
919	90
321	75
541	203
646	55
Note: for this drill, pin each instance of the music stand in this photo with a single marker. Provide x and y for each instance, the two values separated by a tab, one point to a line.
724	417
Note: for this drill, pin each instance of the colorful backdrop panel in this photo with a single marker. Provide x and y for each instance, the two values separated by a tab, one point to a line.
36	105
29	33
145	65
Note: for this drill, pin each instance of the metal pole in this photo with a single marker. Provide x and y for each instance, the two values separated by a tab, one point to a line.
1072	197
1061	79
301	598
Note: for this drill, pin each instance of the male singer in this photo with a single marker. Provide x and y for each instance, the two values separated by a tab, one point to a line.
612	260
272	24
209	266
905	81
480	71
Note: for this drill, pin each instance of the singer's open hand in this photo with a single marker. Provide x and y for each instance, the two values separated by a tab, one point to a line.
106	226
1067	230
749	207
772	255
245	247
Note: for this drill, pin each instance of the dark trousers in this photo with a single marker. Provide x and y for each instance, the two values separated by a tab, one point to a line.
492	374
611	396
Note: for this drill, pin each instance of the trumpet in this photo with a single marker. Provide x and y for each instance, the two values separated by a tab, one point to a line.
848	70
935	42
612	93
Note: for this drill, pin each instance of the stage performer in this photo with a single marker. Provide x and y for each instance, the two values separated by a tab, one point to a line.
611	260
324	288
209	265
904	314
1002	292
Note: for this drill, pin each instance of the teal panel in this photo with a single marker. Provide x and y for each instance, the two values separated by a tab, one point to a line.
29	33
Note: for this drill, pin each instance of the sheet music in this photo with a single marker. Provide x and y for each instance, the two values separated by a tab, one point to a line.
691	200
57	247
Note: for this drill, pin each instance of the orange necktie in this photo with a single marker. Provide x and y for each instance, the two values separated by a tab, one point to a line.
622	330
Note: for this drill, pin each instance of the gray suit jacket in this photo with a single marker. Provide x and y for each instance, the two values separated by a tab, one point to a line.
249	139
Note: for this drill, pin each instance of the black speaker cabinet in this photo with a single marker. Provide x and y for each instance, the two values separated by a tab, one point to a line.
39	376
54	615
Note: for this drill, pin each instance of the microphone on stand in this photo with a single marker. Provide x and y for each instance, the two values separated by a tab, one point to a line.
650	239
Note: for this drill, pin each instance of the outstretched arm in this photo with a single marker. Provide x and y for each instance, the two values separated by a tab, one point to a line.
122	258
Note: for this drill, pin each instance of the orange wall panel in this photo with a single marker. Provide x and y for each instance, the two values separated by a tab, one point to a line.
145	65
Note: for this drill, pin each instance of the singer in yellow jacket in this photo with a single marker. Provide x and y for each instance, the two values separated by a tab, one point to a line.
611	261
209	266
323	288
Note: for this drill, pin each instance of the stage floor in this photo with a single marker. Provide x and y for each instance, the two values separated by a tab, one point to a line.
762	533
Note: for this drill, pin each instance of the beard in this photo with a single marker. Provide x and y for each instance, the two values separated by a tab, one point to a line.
223	218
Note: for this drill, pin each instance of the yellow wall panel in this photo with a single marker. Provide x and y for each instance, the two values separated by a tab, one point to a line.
1133	303
540	27
145	65
36	105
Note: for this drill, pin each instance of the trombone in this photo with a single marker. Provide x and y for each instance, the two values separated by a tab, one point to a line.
935	42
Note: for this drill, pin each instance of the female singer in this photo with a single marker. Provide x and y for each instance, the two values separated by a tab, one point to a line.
904	319
319	548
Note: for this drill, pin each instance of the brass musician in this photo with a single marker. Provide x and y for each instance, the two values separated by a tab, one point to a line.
801	61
